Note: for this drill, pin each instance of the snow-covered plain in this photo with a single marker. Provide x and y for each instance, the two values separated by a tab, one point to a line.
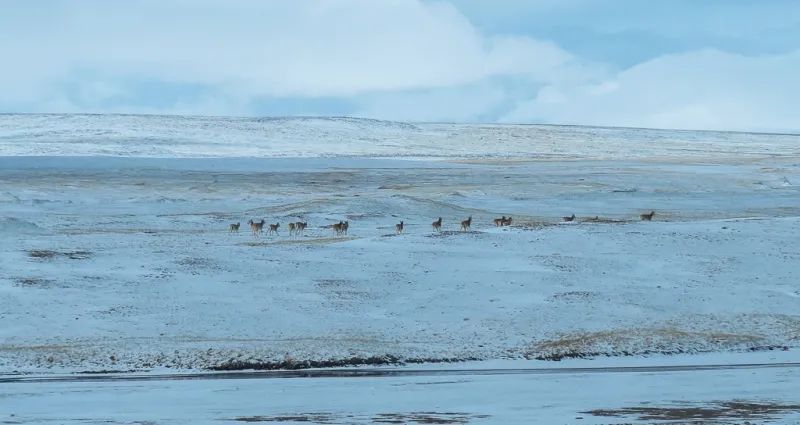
115	252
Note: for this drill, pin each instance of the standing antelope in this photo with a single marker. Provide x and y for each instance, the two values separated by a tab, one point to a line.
437	225
647	217
234	227
500	221
338	228
570	218
273	228
465	225
292	228
398	228
345	226
256	226
300	227
506	222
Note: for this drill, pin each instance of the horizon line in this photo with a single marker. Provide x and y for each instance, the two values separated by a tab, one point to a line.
353	117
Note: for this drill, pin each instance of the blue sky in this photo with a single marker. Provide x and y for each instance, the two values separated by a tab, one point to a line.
710	64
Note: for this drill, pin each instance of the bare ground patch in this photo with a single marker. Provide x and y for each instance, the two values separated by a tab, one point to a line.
342	291
573	296
603	220
46	254
530	224
452	233
426	418
542	223
34	282
195	265
630	342
362	216
291	364
311	417
715	412
378	418
395	187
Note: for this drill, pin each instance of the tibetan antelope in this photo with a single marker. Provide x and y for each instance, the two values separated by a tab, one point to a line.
398	228
234	227
465	224
500	221
648	216
292	228
338	228
273	228
437	225
345	226
570	218
256	226
506	222
300	227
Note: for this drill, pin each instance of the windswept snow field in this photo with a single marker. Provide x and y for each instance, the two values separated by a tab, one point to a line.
115	253
119	263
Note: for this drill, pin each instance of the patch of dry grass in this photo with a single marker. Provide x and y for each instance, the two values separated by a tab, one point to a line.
666	340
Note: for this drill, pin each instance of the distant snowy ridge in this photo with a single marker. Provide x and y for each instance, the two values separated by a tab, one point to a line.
198	137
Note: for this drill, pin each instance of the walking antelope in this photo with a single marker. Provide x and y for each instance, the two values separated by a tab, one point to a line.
500	221
648	216
465	224
506	222
398	228
300	227
234	227
273	228
437	225
292	228
256	226
570	218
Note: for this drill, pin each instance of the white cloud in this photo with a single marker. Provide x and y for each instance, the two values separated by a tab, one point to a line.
702	89
391	59
247	48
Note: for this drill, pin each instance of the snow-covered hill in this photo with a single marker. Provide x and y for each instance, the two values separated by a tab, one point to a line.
178	136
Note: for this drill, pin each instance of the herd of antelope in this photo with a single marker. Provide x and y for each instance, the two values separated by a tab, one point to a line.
257	227
298	228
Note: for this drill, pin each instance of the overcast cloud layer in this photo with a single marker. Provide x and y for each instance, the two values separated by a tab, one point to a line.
706	65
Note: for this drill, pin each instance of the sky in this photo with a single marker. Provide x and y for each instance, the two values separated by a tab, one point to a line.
710	64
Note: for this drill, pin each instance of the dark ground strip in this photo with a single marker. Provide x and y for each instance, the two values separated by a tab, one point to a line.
387	360
590	355
375	372
380	418
714	411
